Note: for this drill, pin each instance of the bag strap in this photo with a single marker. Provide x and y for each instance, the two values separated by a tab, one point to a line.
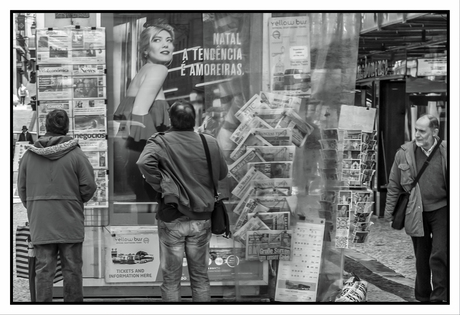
208	160
427	162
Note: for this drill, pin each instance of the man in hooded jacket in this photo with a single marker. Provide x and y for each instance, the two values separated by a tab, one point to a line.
55	179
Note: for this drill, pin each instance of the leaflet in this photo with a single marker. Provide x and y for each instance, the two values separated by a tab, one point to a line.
87	107
239	168
273	169
89	123
274	220
44	107
250	139
276	137
92	141
269	245
275	153
89	86
244	128
300	128
297	279
247	111
254	224
54	87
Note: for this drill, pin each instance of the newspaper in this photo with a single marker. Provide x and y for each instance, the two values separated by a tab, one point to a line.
87	69
54	46
247	111
54	69
99	198
44	107
270	116
89	86
250	139
252	206
275	203
92	141
252	175
275	153
88	45
272	187
300	128
248	194
89	123
98	159
276	137
87	107
239	168
274	169
254	224
83	56
54	87
244	128
19	149
269	245
274	220
280	100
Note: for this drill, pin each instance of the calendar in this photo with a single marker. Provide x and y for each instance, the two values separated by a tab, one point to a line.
298	279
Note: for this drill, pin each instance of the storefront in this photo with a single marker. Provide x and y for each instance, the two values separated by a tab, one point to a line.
278	92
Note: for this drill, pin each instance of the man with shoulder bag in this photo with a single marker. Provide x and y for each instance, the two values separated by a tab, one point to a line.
420	169
174	163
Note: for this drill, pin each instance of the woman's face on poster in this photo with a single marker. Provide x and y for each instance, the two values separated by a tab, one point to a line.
161	48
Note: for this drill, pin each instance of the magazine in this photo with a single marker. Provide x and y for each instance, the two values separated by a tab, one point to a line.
254	224
239	168
89	123
269	245
300	128
92	141
244	128
276	137
252	175
278	153
274	220
273	169
247	111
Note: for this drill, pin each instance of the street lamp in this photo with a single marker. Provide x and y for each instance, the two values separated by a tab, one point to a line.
33	28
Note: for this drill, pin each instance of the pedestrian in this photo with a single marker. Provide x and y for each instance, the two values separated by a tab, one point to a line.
174	164
26	135
55	179
22	92
427	211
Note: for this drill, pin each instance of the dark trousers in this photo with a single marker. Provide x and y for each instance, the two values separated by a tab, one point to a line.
45	268
431	257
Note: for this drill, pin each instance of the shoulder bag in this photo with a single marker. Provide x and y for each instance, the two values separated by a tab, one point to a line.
399	212
220	222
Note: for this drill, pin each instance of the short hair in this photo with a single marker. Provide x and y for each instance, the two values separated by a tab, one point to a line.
433	121
150	31
182	114
57	122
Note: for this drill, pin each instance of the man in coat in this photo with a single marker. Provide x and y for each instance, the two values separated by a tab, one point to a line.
426	219
26	135
175	165
55	179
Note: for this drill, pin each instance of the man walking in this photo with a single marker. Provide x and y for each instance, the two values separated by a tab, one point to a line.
427	211
174	164
55	179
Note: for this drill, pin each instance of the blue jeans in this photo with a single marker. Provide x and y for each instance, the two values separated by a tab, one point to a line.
191	236
45	269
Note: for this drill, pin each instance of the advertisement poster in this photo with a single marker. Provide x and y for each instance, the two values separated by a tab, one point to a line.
298	279
132	255
290	55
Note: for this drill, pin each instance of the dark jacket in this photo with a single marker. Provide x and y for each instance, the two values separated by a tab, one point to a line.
174	164
402	175
26	137
55	178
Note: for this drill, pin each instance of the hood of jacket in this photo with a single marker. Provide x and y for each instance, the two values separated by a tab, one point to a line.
53	146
